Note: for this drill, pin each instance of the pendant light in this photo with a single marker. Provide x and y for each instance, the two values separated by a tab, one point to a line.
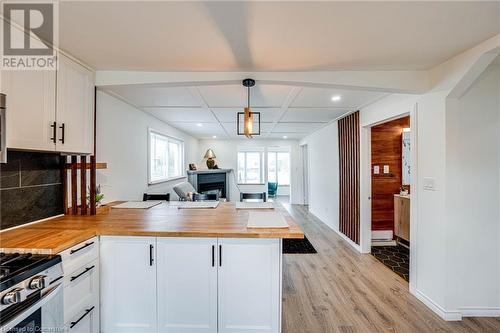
251	120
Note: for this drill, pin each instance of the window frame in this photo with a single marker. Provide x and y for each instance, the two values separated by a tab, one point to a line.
277	151
262	175
182	156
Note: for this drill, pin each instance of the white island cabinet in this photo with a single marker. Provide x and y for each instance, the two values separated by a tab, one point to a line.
128	285
187	285
190	285
249	285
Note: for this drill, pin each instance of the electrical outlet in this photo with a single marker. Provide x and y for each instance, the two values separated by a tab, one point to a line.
386	169
376	170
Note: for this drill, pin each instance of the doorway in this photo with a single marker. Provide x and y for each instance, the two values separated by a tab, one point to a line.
305	174
390	194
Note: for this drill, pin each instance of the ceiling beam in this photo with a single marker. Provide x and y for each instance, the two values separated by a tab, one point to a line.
292	95
378	81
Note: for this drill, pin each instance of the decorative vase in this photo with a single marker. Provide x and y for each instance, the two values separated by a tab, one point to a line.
210	163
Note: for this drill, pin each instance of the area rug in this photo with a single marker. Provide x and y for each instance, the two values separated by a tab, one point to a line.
397	258
297	246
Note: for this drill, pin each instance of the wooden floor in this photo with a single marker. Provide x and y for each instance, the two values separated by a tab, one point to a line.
341	290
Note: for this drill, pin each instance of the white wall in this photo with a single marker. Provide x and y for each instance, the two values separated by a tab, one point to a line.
122	143
323	151
227	158
473	196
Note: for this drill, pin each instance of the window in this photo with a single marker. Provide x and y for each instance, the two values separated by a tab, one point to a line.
278	167
166	157
250	167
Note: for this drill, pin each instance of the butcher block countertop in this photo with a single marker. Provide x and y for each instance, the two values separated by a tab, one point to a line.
164	220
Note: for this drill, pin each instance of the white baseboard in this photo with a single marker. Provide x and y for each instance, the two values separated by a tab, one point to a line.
382	235
480	312
384	243
344	237
436	308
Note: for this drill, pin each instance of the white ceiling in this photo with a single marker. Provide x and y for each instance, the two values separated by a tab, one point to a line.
265	35
205	111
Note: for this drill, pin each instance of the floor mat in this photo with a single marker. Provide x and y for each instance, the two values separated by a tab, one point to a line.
397	258
296	246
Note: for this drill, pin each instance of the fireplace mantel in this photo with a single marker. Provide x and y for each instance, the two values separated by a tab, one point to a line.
197	172
206	180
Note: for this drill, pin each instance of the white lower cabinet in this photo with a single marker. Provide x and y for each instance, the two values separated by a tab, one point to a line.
249	285
190	285
128	284
81	286
187	285
87	321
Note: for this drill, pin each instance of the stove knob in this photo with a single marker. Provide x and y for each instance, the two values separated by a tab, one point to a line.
37	283
12	297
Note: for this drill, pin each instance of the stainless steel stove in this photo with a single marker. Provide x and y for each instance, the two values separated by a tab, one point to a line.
31	298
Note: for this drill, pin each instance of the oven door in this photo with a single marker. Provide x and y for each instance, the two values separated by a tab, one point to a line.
46	315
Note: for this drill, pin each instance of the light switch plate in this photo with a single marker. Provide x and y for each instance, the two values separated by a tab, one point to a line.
386	169
376	170
429	183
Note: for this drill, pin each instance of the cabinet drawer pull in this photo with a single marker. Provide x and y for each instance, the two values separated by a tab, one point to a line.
62	127
54	132
220	255
151	260
73	323
73	278
81	248
213	255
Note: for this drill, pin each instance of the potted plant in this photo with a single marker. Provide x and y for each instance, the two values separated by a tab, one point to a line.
403	190
98	196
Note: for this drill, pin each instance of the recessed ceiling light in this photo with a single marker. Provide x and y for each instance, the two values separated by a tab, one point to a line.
199	124
214	136
336	98
285	137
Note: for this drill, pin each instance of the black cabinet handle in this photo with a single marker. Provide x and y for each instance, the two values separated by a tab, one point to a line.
151	260
220	255
73	323
81	248
63	126
54	132
73	278
213	255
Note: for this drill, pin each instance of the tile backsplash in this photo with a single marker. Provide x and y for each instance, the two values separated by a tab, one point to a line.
30	188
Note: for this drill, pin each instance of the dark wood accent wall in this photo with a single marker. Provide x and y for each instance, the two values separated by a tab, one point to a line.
349	221
386	149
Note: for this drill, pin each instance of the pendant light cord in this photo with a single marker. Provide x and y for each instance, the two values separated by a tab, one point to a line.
248	97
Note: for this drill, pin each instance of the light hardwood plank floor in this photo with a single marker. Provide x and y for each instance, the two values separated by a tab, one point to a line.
341	290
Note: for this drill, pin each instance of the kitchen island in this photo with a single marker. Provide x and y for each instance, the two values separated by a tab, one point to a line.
166	269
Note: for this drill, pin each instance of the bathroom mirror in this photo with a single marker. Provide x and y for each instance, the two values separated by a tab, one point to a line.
406	157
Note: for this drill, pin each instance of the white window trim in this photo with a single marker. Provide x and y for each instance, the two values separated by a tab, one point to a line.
183	157
262	153
276	150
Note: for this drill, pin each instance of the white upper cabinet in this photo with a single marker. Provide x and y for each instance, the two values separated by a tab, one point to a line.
249	285
187	285
31	109
49	111
128	285
75	103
